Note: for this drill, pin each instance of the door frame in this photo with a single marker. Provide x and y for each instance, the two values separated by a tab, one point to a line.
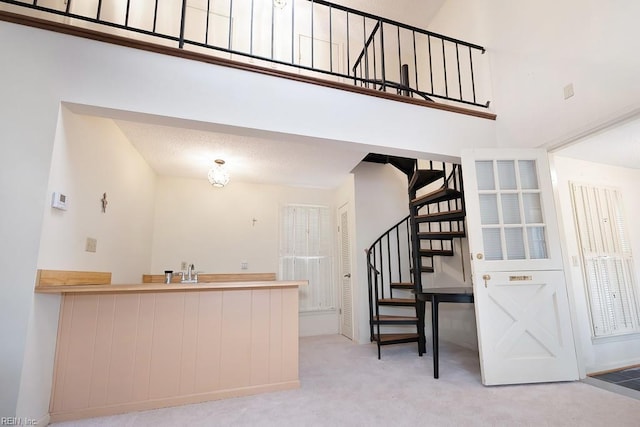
566	261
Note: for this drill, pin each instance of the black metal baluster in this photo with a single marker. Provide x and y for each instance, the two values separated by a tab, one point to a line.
366	67
415	59
399	261
155	14
364	40
126	14
375	68
409	250
206	27
430	62
68	8
384	74
100	10
182	23
459	76
389	264
473	83
381	269
444	66
400	60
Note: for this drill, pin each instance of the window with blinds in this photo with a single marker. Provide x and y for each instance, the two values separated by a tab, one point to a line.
511	213
606	259
306	253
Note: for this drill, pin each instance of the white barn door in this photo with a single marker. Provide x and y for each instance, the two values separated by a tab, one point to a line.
522	310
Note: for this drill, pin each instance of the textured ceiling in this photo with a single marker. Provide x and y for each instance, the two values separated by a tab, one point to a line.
272	159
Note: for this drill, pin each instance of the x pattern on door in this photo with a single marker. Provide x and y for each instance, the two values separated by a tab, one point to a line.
524	316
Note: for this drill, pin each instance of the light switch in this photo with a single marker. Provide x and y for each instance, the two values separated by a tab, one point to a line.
91	244
244	265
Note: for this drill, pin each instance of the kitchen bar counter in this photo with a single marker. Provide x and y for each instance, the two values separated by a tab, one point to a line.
123	348
162	287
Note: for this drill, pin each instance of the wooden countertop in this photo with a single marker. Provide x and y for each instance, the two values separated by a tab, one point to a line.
161	287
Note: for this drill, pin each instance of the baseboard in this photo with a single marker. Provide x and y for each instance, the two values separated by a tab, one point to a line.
171	401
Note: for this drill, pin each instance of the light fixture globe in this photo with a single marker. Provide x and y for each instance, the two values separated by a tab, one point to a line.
218	175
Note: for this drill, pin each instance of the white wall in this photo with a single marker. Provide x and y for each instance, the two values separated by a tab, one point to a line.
214	229
608	353
381	200
64	68
91	157
536	47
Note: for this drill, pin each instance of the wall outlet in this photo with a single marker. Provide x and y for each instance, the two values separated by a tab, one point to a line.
91	244
183	265
244	265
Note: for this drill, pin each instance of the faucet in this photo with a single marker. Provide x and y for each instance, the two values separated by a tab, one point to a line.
191	276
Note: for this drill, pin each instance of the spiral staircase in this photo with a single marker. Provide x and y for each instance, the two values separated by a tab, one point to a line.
401	259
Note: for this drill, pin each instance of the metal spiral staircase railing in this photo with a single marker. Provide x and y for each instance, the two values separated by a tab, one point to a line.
400	257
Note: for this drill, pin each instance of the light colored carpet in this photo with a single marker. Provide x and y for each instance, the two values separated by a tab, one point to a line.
344	384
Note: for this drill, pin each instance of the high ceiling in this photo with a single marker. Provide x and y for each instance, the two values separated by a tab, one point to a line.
618	145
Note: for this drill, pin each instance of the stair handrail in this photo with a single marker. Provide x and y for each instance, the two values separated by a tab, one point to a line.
373	291
356	63
186	38
374	275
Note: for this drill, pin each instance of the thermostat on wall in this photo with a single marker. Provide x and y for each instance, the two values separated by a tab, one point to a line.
59	201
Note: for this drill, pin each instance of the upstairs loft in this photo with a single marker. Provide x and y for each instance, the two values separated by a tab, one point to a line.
312	41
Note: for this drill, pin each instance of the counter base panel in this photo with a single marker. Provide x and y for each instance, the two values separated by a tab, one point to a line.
135	351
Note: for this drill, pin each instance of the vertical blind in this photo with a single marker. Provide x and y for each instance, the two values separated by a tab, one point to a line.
607	260
306	253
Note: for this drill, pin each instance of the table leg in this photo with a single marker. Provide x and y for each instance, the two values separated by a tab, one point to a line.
434	334
422	344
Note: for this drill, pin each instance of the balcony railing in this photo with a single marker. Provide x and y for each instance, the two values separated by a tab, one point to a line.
310	37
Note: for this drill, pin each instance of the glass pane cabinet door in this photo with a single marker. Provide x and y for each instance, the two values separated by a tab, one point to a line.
511	215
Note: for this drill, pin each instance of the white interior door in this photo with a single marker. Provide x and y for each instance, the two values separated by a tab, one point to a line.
522	310
346	307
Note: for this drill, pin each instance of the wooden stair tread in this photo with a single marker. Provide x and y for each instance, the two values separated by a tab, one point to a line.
457	214
440	195
396	338
425	269
440	235
397	301
403	285
394	320
436	252
424	177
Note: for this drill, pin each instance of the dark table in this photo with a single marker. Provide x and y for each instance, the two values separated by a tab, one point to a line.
436	296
